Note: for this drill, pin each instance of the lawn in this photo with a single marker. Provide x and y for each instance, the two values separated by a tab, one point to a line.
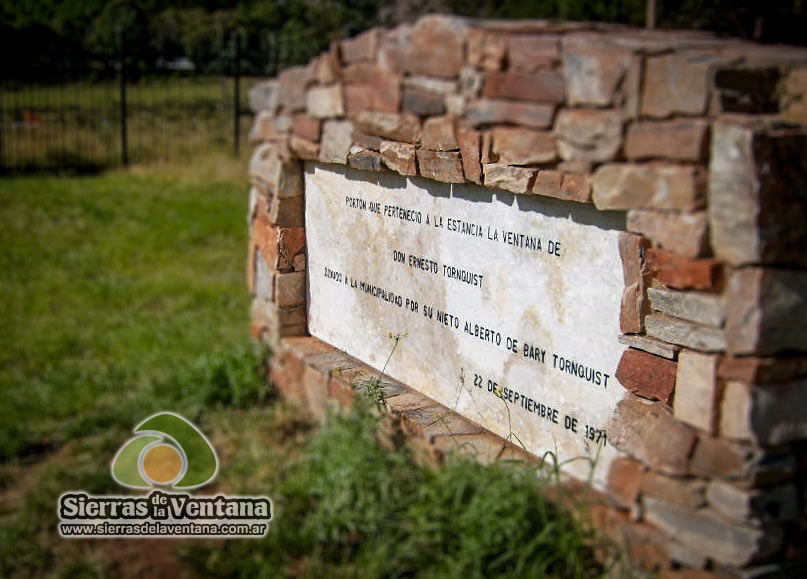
78	124
123	295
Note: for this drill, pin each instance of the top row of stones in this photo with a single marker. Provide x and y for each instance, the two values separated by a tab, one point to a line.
584	66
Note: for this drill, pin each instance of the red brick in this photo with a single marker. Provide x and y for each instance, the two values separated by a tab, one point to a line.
682	273
422	103
624	478
632	251
304	148
361	47
436	47
575	188
543	86
531	52
371	87
649	433
678	140
523	146
755	370
403	127
400	157
251	253
486	48
278	245
647	375
548	183
438	134
470	147
306	128
440	165
256	329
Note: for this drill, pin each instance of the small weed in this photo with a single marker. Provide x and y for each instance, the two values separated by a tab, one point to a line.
373	388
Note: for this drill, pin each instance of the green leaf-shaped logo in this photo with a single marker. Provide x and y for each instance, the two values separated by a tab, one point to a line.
167	450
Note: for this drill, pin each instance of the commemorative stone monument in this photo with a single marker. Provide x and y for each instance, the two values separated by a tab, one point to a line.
561	238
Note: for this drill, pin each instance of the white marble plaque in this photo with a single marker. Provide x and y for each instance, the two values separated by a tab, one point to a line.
509	304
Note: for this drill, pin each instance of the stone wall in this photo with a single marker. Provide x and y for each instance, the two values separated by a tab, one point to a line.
701	141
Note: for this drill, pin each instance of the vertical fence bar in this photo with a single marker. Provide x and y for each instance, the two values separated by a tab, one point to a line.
124	151
2	127
237	93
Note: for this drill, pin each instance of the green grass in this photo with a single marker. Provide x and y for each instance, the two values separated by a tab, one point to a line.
121	295
110	284
348	506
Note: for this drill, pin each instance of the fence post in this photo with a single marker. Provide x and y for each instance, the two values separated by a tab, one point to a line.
124	149
236	92
2	128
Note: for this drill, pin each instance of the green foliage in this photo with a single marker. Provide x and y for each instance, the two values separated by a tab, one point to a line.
235	378
351	506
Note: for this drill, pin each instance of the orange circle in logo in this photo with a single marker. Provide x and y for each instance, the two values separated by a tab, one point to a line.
162	463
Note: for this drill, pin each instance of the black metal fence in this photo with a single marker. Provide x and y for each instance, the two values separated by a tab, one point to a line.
102	110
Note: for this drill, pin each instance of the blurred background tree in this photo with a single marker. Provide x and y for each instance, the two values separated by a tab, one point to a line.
41	33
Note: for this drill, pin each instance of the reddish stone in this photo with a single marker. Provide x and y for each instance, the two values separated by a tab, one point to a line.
685	234
649	433
675	84
328	67
513	179
634	304
438	134
677	140
548	183
715	458
543	86
648	186
293	82
287	211
371	87
499	112
361	47
440	165
278	245
470	148
304	148
599	73
400	157
589	134
385	95
624	478
362	73
367	141
523	146
251	254
682	273
364	159
527	53
486	48
646	375
403	127
436	47
306	127
423	103
755	370
256	329
575	188
325	102
686	492
488	156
